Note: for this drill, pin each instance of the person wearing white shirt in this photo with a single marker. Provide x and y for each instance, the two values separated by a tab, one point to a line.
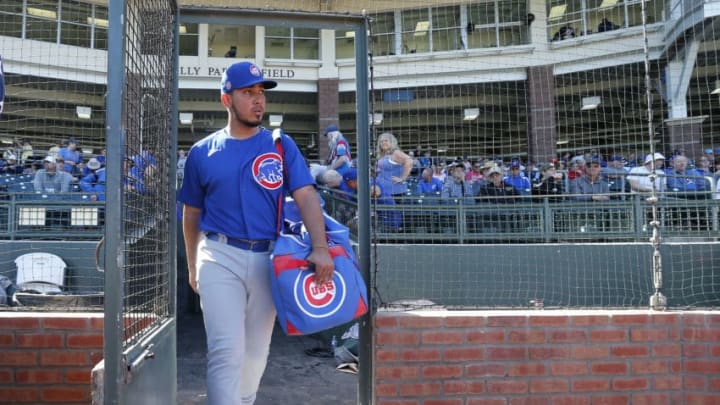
639	178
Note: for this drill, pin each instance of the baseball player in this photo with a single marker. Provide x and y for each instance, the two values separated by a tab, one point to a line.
340	158
233	179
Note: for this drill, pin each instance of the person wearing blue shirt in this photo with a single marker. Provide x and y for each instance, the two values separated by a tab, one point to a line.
71	156
684	182
429	185
234	180
517	179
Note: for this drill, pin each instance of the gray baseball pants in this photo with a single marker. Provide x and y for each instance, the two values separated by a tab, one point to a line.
239	314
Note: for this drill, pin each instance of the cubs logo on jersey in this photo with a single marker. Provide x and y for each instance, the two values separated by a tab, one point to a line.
319	301
267	170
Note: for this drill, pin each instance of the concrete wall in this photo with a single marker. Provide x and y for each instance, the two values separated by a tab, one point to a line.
546	357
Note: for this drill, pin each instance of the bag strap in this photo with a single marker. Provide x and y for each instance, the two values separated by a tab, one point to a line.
277	140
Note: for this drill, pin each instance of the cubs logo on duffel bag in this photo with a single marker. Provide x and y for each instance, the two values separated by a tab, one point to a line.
304	307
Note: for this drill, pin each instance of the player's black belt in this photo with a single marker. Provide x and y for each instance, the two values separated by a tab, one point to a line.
244	244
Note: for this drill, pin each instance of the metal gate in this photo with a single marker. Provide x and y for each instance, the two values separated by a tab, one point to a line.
140	357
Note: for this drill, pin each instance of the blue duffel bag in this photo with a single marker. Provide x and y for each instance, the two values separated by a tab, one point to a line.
302	306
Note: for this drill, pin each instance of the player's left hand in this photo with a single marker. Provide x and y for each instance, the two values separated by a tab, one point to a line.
324	265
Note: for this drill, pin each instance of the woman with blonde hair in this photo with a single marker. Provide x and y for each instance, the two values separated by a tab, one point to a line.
393	166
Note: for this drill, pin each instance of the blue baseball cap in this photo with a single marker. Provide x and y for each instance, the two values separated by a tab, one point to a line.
350	175
242	75
331	128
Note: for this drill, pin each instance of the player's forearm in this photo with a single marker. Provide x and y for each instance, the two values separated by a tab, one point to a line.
308	203
191	232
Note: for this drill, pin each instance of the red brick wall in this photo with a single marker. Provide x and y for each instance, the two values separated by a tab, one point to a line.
47	358
547	357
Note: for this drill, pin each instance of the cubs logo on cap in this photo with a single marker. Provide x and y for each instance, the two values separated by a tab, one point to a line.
242	75
267	170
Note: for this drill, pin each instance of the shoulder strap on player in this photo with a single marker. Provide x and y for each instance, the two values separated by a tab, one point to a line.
277	140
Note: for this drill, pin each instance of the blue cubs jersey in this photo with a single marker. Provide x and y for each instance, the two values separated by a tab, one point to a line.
236	183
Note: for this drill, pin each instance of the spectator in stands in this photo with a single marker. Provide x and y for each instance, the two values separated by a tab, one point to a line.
429	185
50	179
565	32
576	169
702	166
550	184
615	174
639	177
339	158
606	25
27	151
349	185
388	219
393	166
455	187
12	166
71	155
684	182
497	188
439	172
517	179
54	150
475	173
591	186
94	181
425	158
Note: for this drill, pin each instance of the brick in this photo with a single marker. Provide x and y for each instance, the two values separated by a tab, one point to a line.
420	322
38	376
424	389
549	385
507	321
649	367
569	368
701	335
386	390
97	324
651	399
486	401
507	387
630	319
691	350
65	323
715	351
383	321
7	340
666	350
486	370
589	352
397	372
608	336
527	370
629	351
526	336
486	336
12	324
611	400
694	383
590	320
630	384
386	355
93	341
549	320
78	376
456	401
443	371
463	354
19	358
442	338
591	385
690	318
665	383
15	395
702	367
611	368
41	340
531	400
66	394
676	366
463	387
95	357
66	358
648	335
423	355
665	319
693	398
398	402
714	384
6	376
464	322
567	336
397	338
506	353
570	400
548	353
